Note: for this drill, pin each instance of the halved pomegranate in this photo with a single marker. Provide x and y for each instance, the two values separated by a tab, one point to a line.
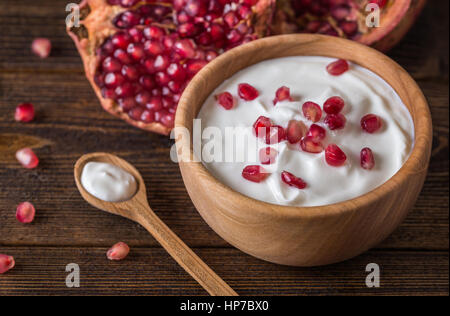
138	53
347	18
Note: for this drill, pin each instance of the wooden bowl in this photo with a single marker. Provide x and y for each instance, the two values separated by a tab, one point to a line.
304	236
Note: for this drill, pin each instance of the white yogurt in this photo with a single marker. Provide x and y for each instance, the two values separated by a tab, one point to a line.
363	91
108	182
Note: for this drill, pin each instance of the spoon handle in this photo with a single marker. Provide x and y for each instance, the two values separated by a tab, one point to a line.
185	257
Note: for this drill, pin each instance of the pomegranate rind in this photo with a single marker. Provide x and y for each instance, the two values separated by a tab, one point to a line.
397	17
96	20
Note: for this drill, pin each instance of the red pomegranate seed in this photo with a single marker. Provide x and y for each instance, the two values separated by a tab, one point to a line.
380	3
255	174
282	94
121	40
261	126
110	64
168	120
27	158
334	156
268	155
333	105
371	123
6	263
335	121
292	180
338	67
247	92
24	113
316	133
195	65
367	159
186	48
148	116
153	32
295	131
41	47
118	252
309	146
25	212
155	103
226	100
312	111
275	135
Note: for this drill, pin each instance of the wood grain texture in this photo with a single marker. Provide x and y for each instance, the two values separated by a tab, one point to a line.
72	123
149	271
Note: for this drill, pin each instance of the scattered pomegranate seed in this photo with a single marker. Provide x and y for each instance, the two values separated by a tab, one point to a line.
312	111
41	47
338	67
226	100
295	131
367	159
118	252
371	123
334	156
247	92
282	94
268	155
255	174
292	180
316	133
333	105
6	263
24	112
27	158
308	145
335	121
275	135
25	212
261	126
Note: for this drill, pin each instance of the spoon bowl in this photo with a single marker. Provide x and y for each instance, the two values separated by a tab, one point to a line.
137	209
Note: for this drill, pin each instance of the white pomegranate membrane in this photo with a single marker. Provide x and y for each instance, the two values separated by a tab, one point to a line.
108	182
364	93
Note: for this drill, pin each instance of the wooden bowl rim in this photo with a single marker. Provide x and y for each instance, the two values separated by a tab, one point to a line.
421	146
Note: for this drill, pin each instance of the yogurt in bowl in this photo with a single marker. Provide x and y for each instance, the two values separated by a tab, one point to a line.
303	84
270	214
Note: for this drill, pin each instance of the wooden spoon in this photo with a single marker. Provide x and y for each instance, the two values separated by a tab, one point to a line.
137	209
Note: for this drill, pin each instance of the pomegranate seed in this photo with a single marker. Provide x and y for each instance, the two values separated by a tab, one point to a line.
41	47
282	94
309	146
136	51
255	174
380	3
231	19
110	64
6	263
275	135
118	252
25	212
349	27
312	111
338	67
155	104
247	92
168	120
261	126
226	100
161	63
186	48
335	121
121	40
292	180
340	12
371	123
367	159
27	158
24	113
148	116
316	133
195	65
333	105
154	32
130	72
268	155
295	131
113	80
334	156
196	7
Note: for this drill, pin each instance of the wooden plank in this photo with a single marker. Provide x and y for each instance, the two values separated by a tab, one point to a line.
71	122
41	271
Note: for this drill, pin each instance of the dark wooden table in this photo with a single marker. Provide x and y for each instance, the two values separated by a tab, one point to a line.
70	123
